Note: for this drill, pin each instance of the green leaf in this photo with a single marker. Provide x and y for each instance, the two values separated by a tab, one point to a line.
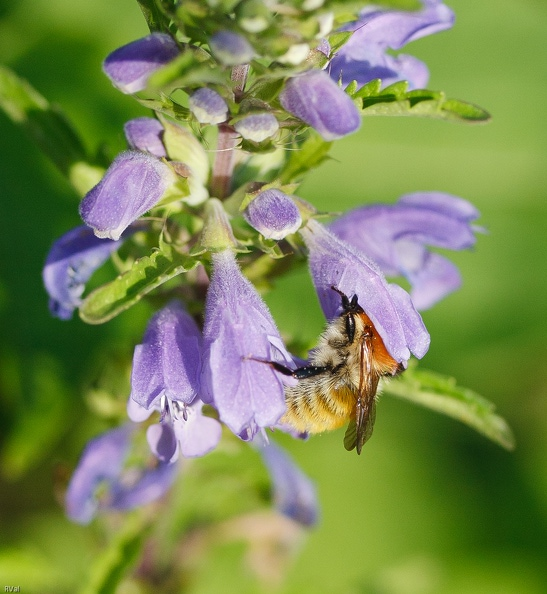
49	128
145	275
110	567
395	100
442	394
309	155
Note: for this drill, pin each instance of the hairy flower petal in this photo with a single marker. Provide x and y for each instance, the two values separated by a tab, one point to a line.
208	106
71	261
131	186
130	66
168	361
395	237
145	134
238	329
334	262
365	57
274	214
317	100
198	435
257	127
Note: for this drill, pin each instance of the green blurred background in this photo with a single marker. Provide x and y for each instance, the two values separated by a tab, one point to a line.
429	507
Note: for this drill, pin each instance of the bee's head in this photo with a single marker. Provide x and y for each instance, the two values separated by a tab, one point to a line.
350	307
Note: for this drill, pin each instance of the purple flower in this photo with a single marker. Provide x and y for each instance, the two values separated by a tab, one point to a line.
239	329
145	134
208	106
102	465
168	361
273	214
131	186
396	236
257	127
71	261
166	377
335	263
130	66
230	48
317	100
293	492
365	56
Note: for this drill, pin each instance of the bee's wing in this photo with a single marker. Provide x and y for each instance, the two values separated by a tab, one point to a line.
361	426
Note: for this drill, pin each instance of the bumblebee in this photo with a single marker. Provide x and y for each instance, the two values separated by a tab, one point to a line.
341	381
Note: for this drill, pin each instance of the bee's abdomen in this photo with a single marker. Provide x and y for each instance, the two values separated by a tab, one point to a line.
316	408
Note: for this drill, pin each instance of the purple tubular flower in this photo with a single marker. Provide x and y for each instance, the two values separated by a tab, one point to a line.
273	214
145	134
364	57
130	66
102	463
257	127
71	261
238	329
231	49
131	186
293	492
208	106
395	236
168	361
166	377
335	263
317	100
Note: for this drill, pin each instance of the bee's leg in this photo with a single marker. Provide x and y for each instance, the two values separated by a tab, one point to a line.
298	373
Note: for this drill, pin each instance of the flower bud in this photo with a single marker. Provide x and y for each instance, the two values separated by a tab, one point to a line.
273	214
317	100
132	185
208	106
231	49
257	127
130	66
145	134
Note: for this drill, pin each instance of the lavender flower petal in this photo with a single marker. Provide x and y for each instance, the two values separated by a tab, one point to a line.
293	492
162	441
334	262
238	325
130	66
150	486
131	186
71	261
257	127
208	106
198	435
317	100
145	134
168	361
273	214
102	460
365	57
395	236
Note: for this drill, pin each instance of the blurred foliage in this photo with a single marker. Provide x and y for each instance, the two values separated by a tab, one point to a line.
430	506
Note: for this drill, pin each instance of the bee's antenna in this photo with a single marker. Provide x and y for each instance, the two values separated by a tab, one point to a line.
347	304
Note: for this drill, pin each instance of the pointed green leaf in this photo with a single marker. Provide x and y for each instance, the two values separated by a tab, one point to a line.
395	100
145	275
49	128
442	394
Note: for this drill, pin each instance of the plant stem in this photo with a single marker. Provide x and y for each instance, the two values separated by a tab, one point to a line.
223	166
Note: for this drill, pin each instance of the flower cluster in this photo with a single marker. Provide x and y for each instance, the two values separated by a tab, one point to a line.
264	82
